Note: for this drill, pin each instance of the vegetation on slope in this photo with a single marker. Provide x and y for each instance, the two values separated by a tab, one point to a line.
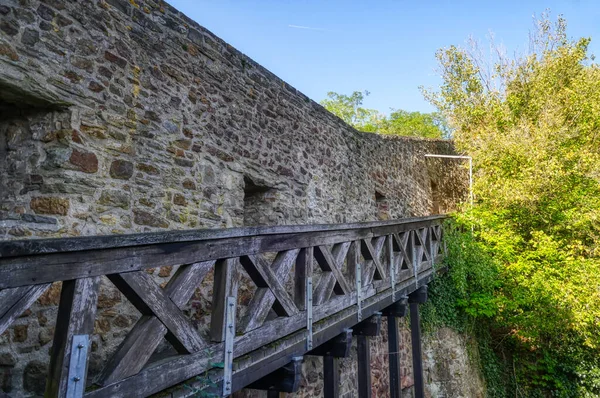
526	280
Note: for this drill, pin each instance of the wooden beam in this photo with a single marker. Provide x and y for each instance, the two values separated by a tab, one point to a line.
338	347
364	366
225	285
14	301
394	357
419	296
141	290
76	315
285	379
369	327
143	339
331	377
397	309
303	271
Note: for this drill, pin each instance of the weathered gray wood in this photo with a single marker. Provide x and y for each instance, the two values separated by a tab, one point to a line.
150	299
303	270
76	315
370	253
164	375
143	339
263	276
327	262
28	247
225	285
13	302
403	243
364	367
263	299
353	260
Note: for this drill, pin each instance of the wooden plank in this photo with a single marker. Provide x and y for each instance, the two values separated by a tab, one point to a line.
76	315
143	339
225	285
397	309
364	367
26	247
150	299
331	377
14	301
394	357
263	276
263	299
20	271
405	250
415	333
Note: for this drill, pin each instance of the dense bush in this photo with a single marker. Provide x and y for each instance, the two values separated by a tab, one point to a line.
527	277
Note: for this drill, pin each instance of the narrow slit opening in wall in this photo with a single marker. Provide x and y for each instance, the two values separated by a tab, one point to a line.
258	202
382	206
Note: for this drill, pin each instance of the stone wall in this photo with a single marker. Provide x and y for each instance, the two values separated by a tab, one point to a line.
126	116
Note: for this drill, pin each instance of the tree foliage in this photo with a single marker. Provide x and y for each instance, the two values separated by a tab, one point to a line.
532	125
415	124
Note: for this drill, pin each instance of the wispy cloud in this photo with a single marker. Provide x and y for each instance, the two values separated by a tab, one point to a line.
306	27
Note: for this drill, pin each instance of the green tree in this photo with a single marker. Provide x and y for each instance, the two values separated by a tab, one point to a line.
532	124
416	124
348	108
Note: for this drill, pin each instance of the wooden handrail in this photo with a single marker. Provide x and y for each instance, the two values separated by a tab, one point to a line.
359	267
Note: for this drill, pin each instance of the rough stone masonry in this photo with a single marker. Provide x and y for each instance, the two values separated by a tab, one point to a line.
126	116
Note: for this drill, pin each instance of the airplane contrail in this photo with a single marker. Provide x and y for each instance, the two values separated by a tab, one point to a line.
305	27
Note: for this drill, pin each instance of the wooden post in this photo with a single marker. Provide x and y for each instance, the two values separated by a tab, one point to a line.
364	367
394	311
331	377
394	357
76	315
368	328
417	297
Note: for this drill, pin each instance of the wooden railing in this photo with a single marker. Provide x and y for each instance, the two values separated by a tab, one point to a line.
311	282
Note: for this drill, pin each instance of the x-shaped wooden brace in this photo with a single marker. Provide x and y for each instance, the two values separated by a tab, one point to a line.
264	298
421	245
161	315
265	277
401	242
436	238
372	254
332	279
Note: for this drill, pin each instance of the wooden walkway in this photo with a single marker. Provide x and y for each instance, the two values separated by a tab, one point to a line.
313	283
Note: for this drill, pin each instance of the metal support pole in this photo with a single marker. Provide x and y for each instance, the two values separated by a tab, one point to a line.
415	332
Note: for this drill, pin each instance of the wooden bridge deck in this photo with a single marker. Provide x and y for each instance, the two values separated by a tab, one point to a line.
312	282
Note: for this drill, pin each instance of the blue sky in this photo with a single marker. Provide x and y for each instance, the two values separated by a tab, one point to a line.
386	47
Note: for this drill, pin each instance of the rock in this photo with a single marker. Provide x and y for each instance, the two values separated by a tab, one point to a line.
142	217
85	161
121	169
113	197
45	336
96	87
30	37
45	12
10	27
4	10
34	377
165	271
20	333
148	168
179	200
50	205
115	59
51	296
7	359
